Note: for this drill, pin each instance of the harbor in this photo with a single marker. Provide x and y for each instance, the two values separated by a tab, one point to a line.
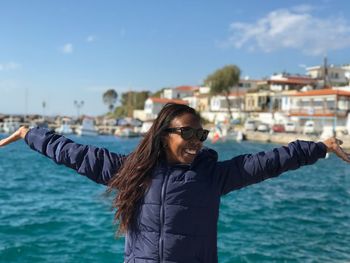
284	138
175	131
46	207
135	128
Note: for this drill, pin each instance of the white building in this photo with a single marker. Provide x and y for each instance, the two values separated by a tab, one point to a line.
199	100
219	107
179	92
327	107
336	74
154	105
283	82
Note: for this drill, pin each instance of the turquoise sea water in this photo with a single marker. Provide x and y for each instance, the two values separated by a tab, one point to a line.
48	213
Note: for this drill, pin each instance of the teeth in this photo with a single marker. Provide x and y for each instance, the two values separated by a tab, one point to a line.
190	151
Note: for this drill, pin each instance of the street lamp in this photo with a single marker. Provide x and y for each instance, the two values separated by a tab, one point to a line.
78	105
44	106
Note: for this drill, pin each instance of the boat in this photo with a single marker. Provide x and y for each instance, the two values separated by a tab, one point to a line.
146	125
126	132
87	128
40	123
10	125
225	133
65	127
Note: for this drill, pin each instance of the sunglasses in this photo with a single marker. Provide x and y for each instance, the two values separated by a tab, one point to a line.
188	133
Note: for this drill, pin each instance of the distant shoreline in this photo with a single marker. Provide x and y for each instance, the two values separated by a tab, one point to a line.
285	138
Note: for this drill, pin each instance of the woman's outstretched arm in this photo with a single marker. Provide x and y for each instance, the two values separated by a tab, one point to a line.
98	164
17	135
248	169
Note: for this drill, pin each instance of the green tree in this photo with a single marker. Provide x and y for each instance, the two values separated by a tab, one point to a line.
222	81
110	98
158	93
119	112
130	101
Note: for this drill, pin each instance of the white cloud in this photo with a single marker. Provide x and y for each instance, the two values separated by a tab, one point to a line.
91	39
10	66
67	48
293	28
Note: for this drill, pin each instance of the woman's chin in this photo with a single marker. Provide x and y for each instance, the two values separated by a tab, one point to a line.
188	158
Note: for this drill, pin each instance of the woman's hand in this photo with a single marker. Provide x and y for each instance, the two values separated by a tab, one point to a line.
333	145
19	134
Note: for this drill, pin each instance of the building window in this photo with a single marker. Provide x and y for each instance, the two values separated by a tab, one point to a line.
318	103
330	104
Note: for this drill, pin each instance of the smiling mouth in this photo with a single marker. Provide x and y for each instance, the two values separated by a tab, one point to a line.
191	151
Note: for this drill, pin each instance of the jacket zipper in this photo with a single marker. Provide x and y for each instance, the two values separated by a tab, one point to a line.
162	215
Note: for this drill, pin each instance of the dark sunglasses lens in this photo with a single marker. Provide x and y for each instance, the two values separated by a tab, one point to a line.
202	135
187	133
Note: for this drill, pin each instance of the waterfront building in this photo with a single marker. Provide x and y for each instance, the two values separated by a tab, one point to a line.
326	107
334	75
257	100
219	106
200	100
154	105
179	92
283	82
248	83
282	86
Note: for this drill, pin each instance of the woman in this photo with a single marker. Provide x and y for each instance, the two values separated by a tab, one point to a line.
169	188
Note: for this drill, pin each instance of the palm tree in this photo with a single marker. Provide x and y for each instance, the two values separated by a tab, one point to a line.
110	98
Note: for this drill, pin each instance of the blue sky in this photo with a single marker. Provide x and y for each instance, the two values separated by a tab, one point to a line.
61	51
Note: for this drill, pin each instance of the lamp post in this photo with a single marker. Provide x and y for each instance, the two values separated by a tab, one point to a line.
78	105
44	106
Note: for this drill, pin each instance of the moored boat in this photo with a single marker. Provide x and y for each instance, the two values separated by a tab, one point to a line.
10	125
65	127
87	128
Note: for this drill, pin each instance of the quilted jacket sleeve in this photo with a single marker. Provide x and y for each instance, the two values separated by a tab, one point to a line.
249	169
98	164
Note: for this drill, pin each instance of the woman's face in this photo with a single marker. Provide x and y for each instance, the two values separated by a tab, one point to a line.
177	149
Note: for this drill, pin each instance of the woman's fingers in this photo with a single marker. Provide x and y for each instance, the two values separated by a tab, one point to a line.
342	154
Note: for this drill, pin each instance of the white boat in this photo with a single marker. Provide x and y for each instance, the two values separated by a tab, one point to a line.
10	125
145	127
224	133
87	128
64	128
126	132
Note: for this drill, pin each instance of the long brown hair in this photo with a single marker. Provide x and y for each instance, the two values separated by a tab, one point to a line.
134	177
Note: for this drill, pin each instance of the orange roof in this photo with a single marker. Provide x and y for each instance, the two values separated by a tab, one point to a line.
165	101
322	92
300	77
187	88
237	94
297	81
301	114
201	95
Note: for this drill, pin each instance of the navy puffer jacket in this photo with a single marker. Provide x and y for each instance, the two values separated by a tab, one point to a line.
177	218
